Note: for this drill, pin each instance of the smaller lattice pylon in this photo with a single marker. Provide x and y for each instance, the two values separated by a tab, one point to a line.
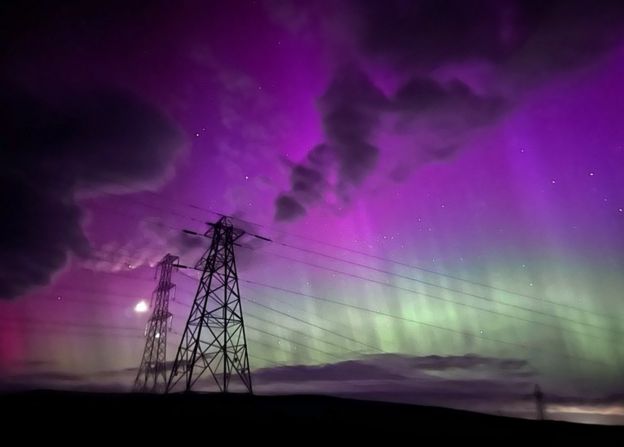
152	375
539	403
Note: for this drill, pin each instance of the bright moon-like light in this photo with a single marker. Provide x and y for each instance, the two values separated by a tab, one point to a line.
141	306
157	335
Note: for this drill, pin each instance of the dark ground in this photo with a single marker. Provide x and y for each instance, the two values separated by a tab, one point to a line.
178	417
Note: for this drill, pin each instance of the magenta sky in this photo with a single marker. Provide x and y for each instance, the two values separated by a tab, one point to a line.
530	198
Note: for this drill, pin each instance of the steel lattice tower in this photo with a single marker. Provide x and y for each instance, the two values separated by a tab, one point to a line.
152	375
214	337
539	403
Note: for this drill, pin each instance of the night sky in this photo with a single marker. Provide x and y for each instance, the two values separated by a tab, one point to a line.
441	180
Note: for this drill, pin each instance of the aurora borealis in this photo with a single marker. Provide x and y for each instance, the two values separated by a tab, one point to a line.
375	133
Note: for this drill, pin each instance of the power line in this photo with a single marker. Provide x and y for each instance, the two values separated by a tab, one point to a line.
149	205
262	331
415	267
426	295
273	323
486	285
476	296
100	292
411	266
271	228
74	332
291	329
420	293
411	320
463	304
308	314
119	274
410	278
313	325
270	362
81	301
65	323
255	341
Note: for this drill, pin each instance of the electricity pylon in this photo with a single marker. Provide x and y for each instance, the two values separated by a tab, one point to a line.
214	337
152	375
539	402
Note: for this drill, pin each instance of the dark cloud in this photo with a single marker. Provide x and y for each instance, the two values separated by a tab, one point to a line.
472	382
348	370
526	37
616	398
562	35
441	117
288	14
467	361
34	364
427	96
519	42
166	239
463	381
287	208
42	379
426	34
48	376
350	110
307	182
400	367
54	148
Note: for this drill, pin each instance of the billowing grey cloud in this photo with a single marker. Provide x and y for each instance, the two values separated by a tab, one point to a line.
426	44
524	37
56	147
288	208
423	95
348	370
352	108
470	381
48	376
461	381
466	361
429	33
401	367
